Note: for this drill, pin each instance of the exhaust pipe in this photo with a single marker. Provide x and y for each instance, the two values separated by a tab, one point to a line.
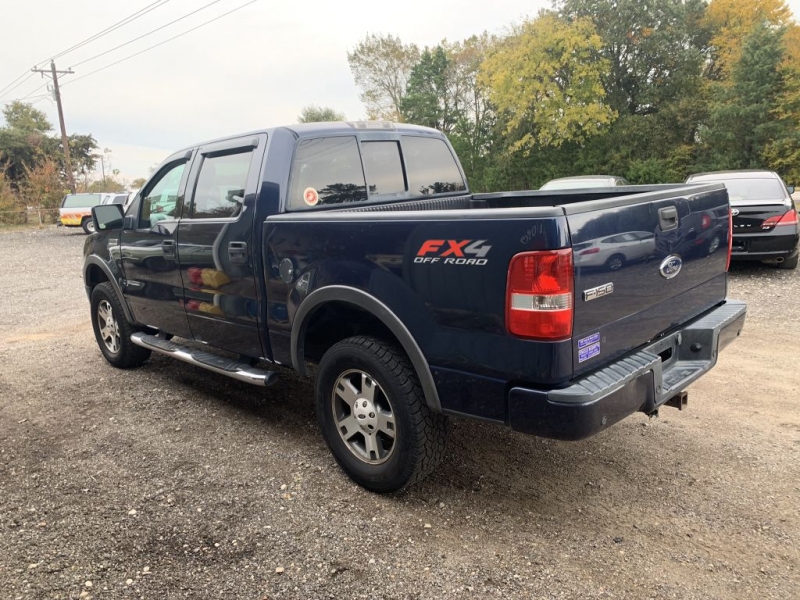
679	401
779	260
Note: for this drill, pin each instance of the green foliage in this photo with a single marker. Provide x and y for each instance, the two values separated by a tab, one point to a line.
26	146
319	114
742	124
546	82
381	66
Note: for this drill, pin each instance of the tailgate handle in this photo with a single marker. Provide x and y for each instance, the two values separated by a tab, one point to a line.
237	252
668	218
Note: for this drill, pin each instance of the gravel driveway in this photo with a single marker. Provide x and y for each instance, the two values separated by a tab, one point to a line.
171	482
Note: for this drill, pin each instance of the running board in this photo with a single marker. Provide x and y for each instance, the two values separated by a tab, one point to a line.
235	369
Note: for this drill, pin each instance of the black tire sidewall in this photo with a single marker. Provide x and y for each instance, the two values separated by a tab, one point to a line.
399	468
85	226
129	355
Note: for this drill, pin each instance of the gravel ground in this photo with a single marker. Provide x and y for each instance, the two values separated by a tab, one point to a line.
171	482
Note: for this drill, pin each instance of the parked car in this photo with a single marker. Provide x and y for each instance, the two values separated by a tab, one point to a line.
583	181
358	247
765	223
614	251
115	198
76	210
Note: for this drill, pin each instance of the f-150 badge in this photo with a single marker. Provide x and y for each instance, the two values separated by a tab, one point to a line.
598	292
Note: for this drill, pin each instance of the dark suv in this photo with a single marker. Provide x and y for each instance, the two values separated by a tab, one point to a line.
765	223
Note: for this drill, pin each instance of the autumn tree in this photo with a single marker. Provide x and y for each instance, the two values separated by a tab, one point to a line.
732	21
319	114
43	186
381	66
545	79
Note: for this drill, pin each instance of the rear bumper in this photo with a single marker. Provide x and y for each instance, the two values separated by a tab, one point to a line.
765	246
642	381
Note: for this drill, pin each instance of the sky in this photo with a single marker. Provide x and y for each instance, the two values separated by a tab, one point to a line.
252	69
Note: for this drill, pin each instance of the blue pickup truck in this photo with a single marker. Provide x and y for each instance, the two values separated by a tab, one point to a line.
358	248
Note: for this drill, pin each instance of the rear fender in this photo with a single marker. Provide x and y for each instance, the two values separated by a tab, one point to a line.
361	299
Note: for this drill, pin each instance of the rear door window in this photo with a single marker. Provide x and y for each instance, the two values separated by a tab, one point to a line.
431	167
383	167
326	171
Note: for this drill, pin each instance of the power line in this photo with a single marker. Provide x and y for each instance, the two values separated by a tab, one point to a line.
160	43
129	19
29	75
146	34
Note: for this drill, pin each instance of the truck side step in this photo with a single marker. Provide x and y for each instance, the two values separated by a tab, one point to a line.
233	368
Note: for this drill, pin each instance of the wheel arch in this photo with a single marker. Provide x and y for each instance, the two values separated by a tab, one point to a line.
362	301
96	271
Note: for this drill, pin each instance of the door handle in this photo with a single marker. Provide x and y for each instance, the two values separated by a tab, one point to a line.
237	252
668	218
168	247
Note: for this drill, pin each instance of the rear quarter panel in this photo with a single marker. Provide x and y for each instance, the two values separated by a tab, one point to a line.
455	309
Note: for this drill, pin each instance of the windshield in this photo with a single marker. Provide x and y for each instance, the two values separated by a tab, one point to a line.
81	200
749	191
574	184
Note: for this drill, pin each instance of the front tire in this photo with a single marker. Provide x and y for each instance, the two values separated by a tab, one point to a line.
374	416
88	225
113	331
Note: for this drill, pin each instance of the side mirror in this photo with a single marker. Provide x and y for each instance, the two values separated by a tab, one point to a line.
790	188
107	217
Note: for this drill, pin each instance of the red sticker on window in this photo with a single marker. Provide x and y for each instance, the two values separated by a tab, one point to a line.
311	196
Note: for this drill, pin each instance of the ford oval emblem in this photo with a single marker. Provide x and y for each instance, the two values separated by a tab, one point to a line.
670	266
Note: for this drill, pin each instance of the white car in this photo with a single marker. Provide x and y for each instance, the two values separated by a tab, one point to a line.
612	252
584	182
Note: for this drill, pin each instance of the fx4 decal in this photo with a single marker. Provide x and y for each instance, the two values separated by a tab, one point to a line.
453	252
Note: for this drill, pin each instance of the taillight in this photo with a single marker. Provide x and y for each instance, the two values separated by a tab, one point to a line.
705	222
539	295
730	238
594	250
788	218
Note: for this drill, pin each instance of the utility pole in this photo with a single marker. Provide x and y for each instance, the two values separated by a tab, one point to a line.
64	140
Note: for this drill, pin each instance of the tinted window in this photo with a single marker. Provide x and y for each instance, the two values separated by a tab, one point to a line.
383	167
431	167
326	171
81	200
161	196
219	192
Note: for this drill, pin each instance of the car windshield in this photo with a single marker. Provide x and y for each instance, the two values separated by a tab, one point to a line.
749	191
81	200
574	184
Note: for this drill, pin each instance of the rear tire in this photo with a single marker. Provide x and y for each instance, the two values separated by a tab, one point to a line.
615	262
113	331
789	263
374	417
88	225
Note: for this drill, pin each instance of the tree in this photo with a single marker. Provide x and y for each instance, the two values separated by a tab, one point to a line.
319	114
732	21
381	66
430	99
23	117
43	186
742	124
545	79
138	183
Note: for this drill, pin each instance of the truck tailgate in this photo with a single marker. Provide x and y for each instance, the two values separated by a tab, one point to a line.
643	268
